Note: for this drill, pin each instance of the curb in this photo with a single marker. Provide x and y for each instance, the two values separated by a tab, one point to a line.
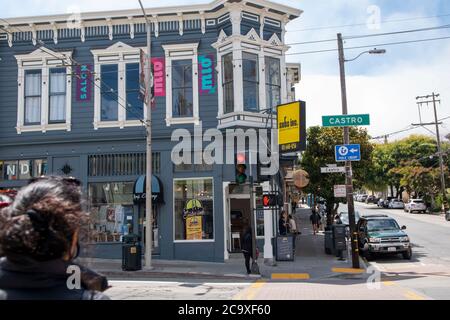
162	274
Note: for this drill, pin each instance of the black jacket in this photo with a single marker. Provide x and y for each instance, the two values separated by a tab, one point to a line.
247	244
27	279
283	227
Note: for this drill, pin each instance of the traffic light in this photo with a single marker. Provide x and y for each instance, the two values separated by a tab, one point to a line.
241	168
270	200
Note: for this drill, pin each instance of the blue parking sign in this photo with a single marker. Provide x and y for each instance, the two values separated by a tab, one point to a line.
348	152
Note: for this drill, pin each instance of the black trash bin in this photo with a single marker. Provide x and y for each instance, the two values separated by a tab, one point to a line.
131	253
329	242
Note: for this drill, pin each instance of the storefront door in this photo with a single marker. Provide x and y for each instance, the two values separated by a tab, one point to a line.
142	224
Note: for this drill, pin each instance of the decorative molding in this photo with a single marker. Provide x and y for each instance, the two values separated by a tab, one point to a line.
203	22
33	33
131	24
180	23
110	28
156	25
55	32
253	35
275	41
82	32
222	36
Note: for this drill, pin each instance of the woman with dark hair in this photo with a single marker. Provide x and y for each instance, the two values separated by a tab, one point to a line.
247	248
39	235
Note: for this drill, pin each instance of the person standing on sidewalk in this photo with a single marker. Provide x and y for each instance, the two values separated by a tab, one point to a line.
283	224
39	235
247	248
315	220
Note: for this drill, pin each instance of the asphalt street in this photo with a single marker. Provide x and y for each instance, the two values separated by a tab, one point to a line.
429	270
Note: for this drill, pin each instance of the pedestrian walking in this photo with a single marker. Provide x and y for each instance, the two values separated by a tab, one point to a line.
283	224
39	235
247	248
315	220
294	206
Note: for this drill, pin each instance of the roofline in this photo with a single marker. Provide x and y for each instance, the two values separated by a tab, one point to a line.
94	15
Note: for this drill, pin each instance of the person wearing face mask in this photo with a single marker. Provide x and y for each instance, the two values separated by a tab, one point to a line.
39	235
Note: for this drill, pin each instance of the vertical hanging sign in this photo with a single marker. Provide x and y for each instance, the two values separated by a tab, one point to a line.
206	71
143	81
159	79
84	82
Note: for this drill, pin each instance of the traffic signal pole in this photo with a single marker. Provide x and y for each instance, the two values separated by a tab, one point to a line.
348	164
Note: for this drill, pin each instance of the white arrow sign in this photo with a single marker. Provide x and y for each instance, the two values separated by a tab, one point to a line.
332	170
353	150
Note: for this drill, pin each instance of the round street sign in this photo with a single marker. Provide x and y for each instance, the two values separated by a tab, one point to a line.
301	178
343	151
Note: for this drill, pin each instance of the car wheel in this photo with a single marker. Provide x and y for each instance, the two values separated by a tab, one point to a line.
407	255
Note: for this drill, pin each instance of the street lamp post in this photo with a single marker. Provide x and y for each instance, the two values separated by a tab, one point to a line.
348	164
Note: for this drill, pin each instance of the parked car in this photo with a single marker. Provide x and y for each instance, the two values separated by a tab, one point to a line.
396	204
417	205
380	203
381	234
371	199
362	197
447	216
5	201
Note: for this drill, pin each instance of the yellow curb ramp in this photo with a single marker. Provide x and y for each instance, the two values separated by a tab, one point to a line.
290	276
348	270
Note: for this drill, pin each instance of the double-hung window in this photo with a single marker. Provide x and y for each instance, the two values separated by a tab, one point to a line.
182	100
227	82
250	71
117	91
44	91
33	97
273	82
110	95
57	95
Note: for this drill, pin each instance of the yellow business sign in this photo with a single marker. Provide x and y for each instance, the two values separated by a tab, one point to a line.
291	127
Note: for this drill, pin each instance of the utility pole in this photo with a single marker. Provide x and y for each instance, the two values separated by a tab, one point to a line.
148	127
425	99
348	164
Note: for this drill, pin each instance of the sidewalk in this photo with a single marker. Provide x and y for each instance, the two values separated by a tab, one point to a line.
310	262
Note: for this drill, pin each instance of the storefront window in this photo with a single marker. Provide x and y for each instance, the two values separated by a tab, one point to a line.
111	209
194	209
22	169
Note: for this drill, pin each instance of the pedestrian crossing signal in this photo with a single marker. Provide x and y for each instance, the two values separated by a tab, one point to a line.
270	200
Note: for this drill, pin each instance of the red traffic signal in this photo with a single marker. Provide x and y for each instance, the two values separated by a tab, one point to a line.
240	158
270	200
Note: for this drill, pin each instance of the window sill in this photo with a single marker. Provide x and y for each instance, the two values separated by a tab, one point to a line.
44	128
117	124
245	119
175	121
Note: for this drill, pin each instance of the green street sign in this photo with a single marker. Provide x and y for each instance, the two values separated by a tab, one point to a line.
351	120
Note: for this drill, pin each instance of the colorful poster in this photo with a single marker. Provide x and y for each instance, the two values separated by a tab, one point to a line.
206	71
159	79
194	228
84	82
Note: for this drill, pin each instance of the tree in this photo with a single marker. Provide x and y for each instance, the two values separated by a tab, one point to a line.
320	152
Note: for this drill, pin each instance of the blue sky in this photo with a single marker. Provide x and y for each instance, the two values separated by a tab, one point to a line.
384	86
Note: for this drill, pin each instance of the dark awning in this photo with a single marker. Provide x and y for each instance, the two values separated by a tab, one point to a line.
139	190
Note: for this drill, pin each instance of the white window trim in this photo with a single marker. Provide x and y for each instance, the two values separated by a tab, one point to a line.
213	213
238	45
183	51
119	54
44	60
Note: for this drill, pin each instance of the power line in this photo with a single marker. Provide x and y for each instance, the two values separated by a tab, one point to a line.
398	32
365	23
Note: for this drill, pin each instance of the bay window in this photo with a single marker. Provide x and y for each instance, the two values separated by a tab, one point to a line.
227	83
250	71
57	107
273	82
33	96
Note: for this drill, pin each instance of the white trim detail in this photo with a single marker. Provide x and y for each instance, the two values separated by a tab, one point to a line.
55	33
118	54
43	59
180	23
182	51
131	24
253	35
156	25
203	22
110	28
250	16
34	34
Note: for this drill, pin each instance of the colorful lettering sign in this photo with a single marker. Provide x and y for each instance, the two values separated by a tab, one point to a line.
159	79
84	82
194	228
291	127
206	71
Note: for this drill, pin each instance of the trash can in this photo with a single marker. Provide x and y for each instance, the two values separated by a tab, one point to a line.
339	239
131	253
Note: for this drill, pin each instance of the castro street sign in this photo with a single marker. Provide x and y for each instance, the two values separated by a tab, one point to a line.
346	120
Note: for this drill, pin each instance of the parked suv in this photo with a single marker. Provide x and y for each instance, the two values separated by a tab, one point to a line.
380	234
415	205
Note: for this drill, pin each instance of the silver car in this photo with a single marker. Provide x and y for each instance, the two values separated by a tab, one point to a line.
417	205
396	204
